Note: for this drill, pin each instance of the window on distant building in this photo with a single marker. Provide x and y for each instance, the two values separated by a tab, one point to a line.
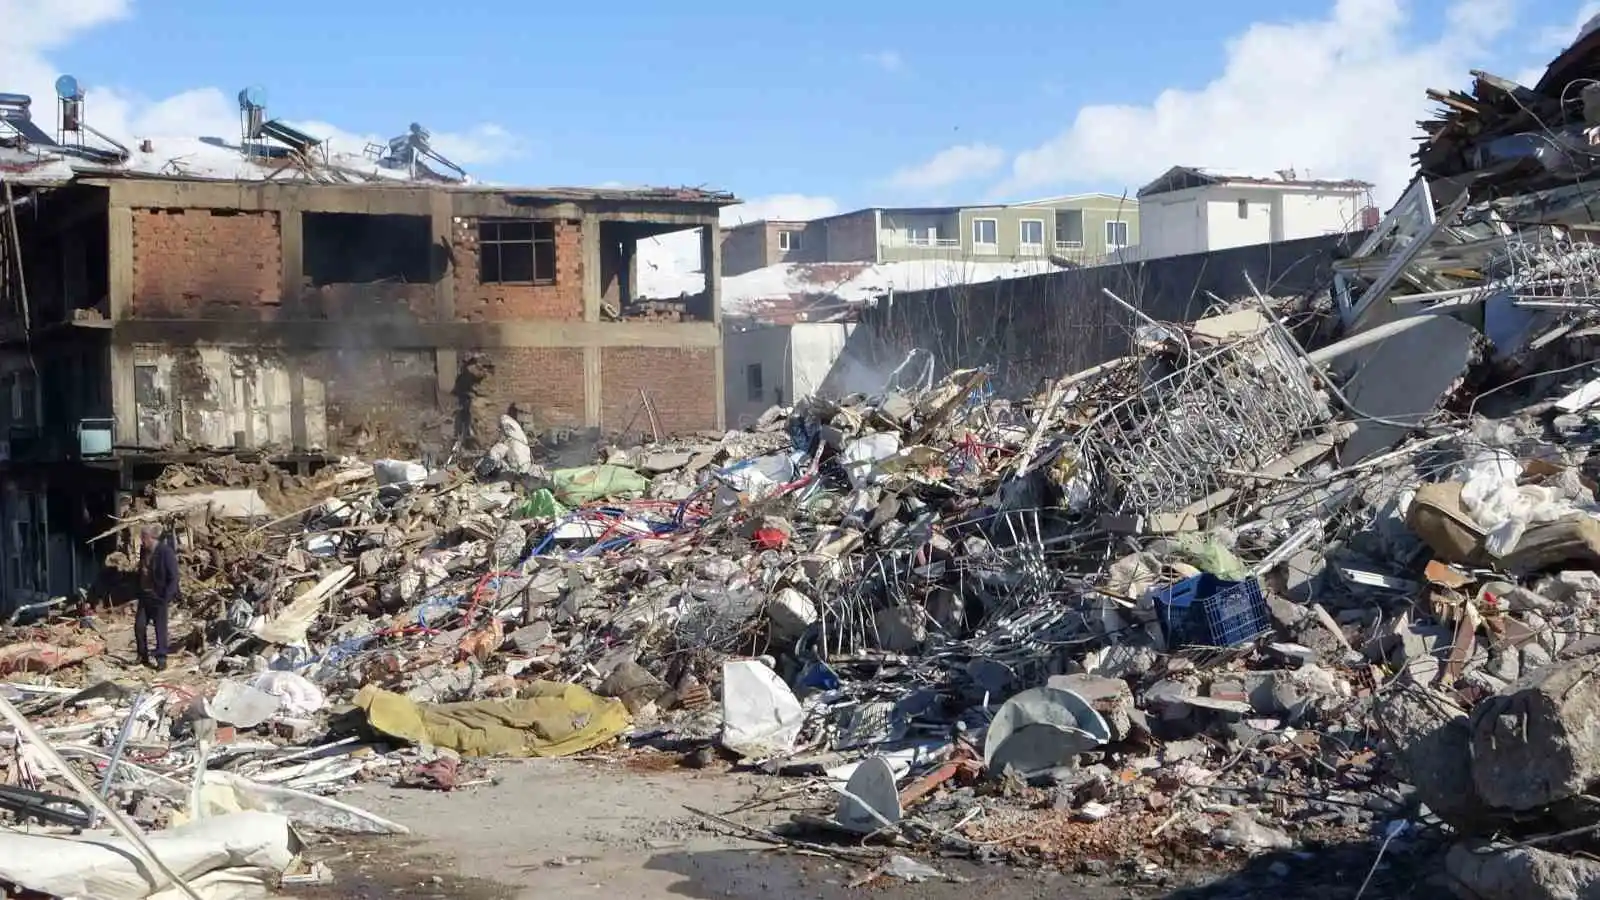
1116	234
1032	231
986	235
1244	209
788	240
752	383
1069	229
512	252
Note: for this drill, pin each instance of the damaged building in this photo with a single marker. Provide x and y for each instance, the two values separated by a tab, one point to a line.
149	320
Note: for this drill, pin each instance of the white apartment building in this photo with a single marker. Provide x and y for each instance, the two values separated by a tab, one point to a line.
1195	210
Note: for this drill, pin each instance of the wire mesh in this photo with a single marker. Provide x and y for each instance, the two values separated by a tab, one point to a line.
1165	446
1538	265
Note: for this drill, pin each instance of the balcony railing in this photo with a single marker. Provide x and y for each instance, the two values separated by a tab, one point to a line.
1069	245
923	241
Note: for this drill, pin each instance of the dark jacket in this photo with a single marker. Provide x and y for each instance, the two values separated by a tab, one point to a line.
160	579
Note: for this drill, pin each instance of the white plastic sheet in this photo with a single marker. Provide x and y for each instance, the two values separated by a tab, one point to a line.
760	715
296	695
224	858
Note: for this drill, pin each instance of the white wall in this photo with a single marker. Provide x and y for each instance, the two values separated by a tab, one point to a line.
767	347
1171	225
1314	214
1227	228
1199	220
815	348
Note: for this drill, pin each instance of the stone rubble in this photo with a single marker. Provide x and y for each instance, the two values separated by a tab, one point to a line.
1245	590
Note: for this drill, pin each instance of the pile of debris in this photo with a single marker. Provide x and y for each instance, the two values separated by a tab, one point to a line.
1226	594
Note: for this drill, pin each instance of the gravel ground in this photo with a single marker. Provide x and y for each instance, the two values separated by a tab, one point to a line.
567	828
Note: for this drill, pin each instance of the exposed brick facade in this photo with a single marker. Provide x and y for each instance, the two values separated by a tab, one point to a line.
196	263
545	383
378	399
476	302
227	265
680	384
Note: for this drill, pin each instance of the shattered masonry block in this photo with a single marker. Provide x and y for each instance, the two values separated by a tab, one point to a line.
1538	741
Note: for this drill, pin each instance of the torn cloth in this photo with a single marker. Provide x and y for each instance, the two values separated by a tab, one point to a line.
557	720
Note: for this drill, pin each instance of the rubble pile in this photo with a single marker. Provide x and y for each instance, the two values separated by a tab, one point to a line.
1243	590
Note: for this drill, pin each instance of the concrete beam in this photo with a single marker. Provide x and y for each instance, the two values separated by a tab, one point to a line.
338	335
256	196
397	199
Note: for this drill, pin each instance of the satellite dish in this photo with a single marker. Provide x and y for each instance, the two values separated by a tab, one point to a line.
254	97
67	88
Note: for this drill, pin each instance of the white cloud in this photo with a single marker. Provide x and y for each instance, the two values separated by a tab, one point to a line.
1335	97
887	60
780	206
34	28
952	165
680	251
1556	38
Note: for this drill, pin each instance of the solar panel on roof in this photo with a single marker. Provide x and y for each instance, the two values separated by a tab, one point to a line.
29	131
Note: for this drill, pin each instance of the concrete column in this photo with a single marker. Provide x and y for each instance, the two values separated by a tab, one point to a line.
593	374
124	397
711	263
446	362
119	290
119	283
292	251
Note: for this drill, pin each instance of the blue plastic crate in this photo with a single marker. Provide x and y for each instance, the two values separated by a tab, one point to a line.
1208	611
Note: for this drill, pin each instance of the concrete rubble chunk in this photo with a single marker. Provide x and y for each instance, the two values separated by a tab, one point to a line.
1537	742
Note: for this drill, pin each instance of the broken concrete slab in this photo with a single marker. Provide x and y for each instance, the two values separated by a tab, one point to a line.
1538	742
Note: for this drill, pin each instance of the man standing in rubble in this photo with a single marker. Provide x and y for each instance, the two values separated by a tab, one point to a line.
158	587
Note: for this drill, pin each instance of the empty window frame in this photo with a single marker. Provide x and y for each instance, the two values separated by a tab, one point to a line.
788	240
754	389
516	252
1032	234
986	234
1069	229
356	248
1116	234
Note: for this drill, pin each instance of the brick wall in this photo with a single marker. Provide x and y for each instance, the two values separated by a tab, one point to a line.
853	238
681	385
545	383
196	263
477	302
743	250
381	402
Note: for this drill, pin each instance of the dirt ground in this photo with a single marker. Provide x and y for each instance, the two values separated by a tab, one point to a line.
560	828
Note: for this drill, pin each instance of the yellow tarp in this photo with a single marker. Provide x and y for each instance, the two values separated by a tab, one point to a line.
556	719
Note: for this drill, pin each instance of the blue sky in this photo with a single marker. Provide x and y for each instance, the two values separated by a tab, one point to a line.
827	103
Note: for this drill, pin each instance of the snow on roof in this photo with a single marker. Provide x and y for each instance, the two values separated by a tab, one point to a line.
786	284
189	157
1181	177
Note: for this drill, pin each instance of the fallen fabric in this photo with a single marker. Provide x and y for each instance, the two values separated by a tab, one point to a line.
40	657
226	793
557	720
246	852
590	483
